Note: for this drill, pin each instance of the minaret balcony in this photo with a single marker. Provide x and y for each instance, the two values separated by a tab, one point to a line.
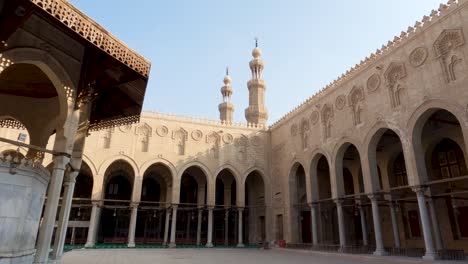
226	105
256	83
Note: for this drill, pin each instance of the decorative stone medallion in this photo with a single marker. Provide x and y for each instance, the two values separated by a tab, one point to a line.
256	141
162	131
294	130
418	56
197	135
314	117
228	138
340	102
373	83
125	129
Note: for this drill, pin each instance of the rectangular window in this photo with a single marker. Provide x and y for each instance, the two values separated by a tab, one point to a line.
413	219
279	227
463	220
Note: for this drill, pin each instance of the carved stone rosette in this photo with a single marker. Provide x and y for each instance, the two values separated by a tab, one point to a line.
418	56
314	117
340	102
373	83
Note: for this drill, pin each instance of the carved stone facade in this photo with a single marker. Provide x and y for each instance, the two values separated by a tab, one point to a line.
394	73
376	143
446	50
356	99
327	116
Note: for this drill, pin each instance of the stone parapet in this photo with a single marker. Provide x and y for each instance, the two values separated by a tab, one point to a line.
200	120
412	32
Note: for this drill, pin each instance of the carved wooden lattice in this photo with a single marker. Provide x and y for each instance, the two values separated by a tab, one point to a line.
94	33
115	123
11	123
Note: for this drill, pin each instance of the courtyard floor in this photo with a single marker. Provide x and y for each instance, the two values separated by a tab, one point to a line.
224	256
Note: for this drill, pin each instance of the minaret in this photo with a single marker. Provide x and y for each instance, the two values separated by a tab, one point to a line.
226	108
256	113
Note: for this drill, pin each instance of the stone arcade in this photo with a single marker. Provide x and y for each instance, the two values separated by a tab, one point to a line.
373	163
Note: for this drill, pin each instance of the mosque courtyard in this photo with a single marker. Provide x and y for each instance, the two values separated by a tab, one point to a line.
225	256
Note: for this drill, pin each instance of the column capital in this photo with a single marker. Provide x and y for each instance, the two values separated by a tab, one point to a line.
210	207
70	178
419	189
373	197
313	205
96	203
240	209
338	201
134	205
60	162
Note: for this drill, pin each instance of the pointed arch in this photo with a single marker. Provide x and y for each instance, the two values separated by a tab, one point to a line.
144	167
415	127
90	164
54	70
103	167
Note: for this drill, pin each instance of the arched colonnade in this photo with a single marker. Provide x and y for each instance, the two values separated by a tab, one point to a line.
389	190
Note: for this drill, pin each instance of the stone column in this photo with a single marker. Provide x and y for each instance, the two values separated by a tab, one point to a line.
209	242
379	247
61	232
426	226
188	223
189	215
73	236
199	223
341	224
240	243
132	226
48	221
362	213
166	226
159	224
172	243
93	224
226	227
313	213
435	224
396	230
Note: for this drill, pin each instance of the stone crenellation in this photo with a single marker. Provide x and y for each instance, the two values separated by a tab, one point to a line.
392	45
201	120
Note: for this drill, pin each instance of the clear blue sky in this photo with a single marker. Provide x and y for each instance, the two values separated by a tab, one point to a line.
305	43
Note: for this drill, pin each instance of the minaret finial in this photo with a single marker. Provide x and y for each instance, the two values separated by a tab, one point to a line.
227	71
256	42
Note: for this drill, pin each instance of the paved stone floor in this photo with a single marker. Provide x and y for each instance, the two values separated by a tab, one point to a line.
223	256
